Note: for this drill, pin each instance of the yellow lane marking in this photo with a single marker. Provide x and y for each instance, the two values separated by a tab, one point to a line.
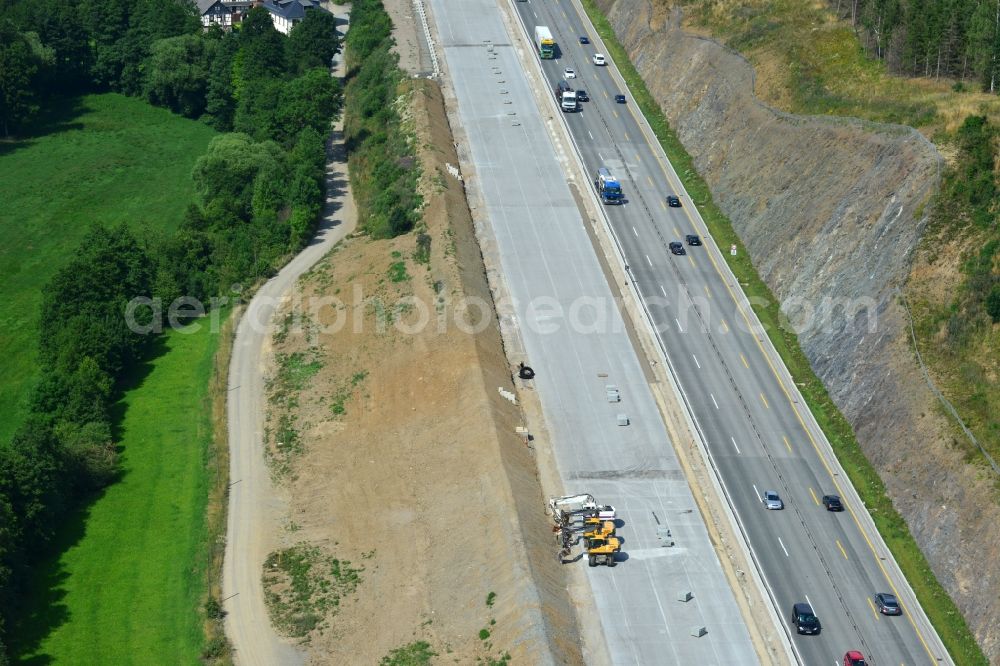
676	233
725	326
707	292
650	180
663	205
844	553
744	359
811	491
624	133
691	259
764	400
789	447
614	112
874	612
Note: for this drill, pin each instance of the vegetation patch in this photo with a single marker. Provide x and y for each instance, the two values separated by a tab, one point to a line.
383	167
304	586
135	564
418	653
937	604
90	164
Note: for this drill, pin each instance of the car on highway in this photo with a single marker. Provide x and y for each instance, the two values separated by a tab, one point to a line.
677	248
693	239
854	658
582	96
620	99
569	73
599	59
673	201
584	39
805	619
832	503
771	499
887	604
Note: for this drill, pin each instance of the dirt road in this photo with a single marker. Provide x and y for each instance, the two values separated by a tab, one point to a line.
255	508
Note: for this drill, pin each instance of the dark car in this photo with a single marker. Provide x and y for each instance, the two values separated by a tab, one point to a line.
582	96
692	239
620	99
804	619
832	503
584	39
887	604
677	248
854	658
673	201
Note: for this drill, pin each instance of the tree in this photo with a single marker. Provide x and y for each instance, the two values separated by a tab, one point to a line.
310	100
18	67
177	74
262	47
313	42
225	175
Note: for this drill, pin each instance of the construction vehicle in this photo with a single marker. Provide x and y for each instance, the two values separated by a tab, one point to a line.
602	549
577	508
608	187
544	42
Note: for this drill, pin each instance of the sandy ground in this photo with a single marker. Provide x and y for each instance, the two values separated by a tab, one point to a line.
422	479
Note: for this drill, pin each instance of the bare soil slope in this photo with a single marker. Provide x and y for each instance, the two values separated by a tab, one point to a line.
398	451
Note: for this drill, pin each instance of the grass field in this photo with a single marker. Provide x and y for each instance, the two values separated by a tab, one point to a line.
96	159
129	585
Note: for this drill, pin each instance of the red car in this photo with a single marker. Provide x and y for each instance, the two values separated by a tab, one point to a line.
854	658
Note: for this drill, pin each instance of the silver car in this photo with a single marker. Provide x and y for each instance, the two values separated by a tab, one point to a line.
772	501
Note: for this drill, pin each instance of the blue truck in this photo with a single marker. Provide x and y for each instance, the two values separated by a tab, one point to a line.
608	187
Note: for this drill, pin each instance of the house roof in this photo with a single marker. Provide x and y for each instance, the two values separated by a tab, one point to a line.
292	10
205	5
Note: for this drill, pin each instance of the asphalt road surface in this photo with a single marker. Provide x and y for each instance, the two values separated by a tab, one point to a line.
758	431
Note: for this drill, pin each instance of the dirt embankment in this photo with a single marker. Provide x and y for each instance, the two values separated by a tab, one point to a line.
831	211
400	454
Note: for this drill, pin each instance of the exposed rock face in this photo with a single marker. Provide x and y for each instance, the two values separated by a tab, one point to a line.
828	209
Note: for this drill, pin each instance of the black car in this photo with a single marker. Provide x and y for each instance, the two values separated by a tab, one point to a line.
832	503
692	239
887	604
582	96
584	39
620	99
677	248
804	619
673	201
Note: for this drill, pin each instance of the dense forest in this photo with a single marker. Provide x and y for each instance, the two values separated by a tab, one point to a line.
259	193
939	38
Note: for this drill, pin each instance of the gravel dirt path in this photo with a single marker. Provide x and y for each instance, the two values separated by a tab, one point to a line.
256	508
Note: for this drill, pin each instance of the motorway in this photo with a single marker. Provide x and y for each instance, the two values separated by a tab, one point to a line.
751	417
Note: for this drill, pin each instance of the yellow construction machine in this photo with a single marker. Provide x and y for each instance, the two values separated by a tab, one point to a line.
602	549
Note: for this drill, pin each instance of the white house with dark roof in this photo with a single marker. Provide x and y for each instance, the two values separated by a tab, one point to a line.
287	13
224	13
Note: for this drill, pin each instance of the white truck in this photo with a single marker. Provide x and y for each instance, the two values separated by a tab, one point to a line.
566	97
544	42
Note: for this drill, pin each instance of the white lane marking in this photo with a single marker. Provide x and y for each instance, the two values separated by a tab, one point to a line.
635	232
713	400
600	157
696	361
733	439
663	291
648	261
590	135
756	492
786	552
678	326
811	605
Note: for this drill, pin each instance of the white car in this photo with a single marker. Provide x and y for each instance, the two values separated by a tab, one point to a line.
771	500
569	73
599	59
